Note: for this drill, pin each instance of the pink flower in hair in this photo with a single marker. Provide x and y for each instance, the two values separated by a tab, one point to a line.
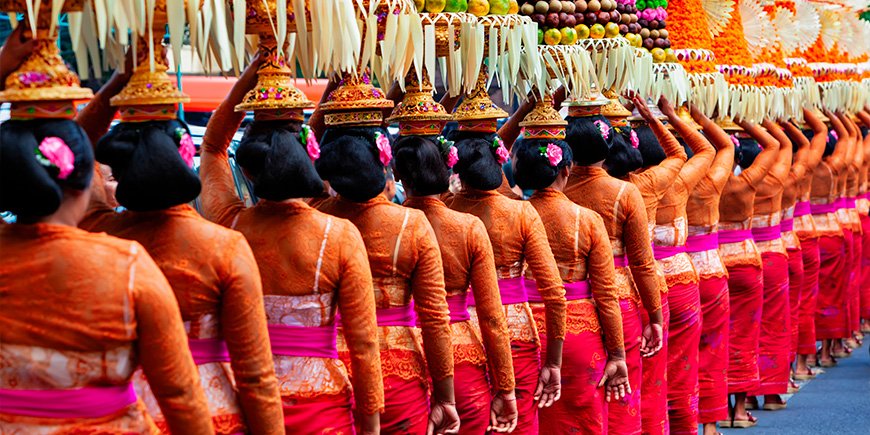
554	154
386	153
500	150
187	149
311	144
635	142
53	151
603	128
452	157
835	135
734	140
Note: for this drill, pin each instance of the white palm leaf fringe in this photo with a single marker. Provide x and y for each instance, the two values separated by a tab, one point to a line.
614	62
642	74
562	65
669	80
756	26
718	13
787	30
808	21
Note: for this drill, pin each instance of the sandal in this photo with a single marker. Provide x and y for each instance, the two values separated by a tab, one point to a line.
743	424
805	376
751	403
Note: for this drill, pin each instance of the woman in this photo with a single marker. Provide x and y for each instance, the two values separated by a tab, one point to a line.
405	263
863	207
219	292
853	221
94	306
805	229
518	240
745	285
584	256
800	170
421	164
621	206
312	265
669	239
831	304
702	216
775	338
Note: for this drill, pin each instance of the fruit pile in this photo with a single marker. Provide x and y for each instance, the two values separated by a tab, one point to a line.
652	34
476	7
566	22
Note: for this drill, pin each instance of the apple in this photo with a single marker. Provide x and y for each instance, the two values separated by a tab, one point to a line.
603	17
648	43
539	18
623	29
540	36
552	19
654	24
667	43
615	16
570	21
590	18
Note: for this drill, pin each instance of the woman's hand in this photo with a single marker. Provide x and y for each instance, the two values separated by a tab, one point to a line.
667	108
503	413
640	105
371	424
615	380
549	386
651	341
443	419
14	53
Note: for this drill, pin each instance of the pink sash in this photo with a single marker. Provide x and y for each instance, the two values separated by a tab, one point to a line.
397	316
787	225
87	402
766	234
208	350
310	341
823	208
512	290
802	208
574	291
849	202
840	203
662	252
702	242
734	236
458	305
620	261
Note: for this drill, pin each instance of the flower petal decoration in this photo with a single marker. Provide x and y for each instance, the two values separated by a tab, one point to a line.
553	154
718	14
452	156
787	30
187	149
603	128
735	141
807	20
311	145
54	152
635	142
756	26
500	150
385	153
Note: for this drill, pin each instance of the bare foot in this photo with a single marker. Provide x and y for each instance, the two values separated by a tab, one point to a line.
710	429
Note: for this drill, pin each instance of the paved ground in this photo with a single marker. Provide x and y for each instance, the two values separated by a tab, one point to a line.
837	402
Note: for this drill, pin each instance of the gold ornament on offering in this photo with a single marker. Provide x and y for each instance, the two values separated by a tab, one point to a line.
477	112
43	77
355	102
544	122
418	114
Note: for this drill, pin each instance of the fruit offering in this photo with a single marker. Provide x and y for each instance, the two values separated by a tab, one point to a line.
574	20
651	18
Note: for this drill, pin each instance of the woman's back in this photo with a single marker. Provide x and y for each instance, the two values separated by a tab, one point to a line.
83	310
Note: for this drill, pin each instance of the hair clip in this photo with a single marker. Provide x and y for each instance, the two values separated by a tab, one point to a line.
450	149
500	151
552	152
53	152
311	145
186	147
603	128
384	150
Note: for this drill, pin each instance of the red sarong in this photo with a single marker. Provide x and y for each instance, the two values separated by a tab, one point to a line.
809	294
623	416
654	394
713	351
406	406
831	303
473	398
746	294
855	283
865	269
527	368
775	338
581	409
684	337
320	415
795	286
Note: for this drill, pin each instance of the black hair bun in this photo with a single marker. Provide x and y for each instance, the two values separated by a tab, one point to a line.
532	167
478	166
350	162
28	187
587	143
273	155
419	162
623	157
146	160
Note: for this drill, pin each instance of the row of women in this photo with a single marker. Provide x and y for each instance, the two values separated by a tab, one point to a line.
647	277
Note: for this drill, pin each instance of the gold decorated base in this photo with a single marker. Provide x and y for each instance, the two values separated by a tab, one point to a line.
477	105
418	105
44	76
728	125
274	90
